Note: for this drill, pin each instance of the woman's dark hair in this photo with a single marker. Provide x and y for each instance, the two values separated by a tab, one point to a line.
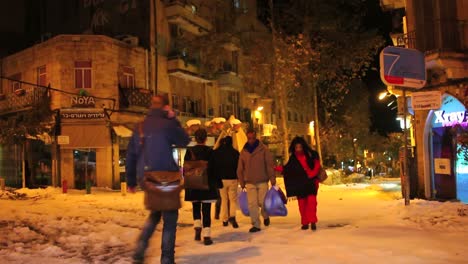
227	141
308	151
200	135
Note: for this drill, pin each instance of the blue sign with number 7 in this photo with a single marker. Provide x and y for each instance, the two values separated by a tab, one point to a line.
402	67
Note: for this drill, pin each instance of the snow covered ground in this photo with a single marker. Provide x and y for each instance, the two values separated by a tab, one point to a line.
357	224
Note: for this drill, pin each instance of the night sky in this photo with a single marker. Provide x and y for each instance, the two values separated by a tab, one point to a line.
382	117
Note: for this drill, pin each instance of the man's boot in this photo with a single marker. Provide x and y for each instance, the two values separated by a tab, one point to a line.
233	222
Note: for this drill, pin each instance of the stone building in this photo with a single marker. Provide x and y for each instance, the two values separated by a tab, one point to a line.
439	29
107	57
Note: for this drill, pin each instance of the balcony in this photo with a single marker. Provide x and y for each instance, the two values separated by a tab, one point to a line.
186	17
404	40
444	42
232	44
441	35
185	68
228	79
392	4
133	97
17	102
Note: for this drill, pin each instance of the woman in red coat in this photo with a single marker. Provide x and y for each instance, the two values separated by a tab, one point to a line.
300	179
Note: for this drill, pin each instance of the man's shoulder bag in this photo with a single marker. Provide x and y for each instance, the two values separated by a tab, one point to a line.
162	188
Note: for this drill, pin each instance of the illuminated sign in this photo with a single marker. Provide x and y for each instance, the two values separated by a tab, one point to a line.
83	101
450	118
83	115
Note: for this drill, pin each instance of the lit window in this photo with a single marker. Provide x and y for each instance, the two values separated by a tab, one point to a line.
42	76
15	85
82	74
128	77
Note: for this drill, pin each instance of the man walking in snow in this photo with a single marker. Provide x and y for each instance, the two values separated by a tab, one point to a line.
161	131
254	170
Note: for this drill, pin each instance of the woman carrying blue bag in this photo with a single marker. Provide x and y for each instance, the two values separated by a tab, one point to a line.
301	180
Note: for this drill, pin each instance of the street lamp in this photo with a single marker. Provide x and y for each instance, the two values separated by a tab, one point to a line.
260	108
382	95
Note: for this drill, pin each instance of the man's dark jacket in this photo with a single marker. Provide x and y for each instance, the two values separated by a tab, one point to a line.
160	135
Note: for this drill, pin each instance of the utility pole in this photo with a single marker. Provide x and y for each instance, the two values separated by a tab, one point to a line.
152	47
405	174
316	123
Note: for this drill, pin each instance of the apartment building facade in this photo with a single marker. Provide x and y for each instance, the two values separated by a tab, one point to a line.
107	57
439	29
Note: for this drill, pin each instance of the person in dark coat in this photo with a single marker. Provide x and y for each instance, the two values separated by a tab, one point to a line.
224	165
202	199
300	179
160	131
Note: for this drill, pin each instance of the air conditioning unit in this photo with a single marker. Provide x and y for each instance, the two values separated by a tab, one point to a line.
129	39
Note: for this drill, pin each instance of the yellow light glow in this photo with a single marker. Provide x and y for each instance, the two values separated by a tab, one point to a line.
257	114
260	108
382	95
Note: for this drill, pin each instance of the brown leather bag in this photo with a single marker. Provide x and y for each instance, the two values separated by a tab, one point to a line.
322	176
196	173
162	188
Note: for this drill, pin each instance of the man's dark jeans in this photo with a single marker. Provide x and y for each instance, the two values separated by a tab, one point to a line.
168	235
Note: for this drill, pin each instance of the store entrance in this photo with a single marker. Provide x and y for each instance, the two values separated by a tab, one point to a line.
84	166
443	151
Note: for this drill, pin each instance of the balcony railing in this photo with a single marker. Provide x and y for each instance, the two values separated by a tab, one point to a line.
433	36
133	97
404	40
13	102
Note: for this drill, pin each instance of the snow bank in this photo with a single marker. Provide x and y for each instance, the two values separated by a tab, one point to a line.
358	223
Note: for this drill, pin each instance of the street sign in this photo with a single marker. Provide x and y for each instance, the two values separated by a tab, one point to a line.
63	140
427	100
402	67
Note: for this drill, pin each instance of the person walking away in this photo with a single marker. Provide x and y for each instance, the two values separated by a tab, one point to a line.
202	199
224	163
254	170
301	180
160	131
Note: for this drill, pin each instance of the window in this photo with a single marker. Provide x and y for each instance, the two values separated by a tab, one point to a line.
82	74
175	102
42	76
237	4
295	117
185	104
289	116
15	85
235	61
128	77
302	118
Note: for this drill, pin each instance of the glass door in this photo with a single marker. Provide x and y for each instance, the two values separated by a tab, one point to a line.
84	168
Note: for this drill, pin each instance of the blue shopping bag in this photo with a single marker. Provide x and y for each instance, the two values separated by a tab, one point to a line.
243	203
274	203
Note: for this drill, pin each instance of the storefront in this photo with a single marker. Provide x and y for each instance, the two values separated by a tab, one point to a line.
446	168
86	148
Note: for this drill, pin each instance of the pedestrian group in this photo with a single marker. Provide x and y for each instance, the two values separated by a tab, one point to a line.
150	163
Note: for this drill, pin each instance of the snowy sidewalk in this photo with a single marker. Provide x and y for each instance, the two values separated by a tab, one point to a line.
357	224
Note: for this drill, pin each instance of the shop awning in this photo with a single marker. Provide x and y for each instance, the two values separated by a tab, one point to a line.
122	131
86	136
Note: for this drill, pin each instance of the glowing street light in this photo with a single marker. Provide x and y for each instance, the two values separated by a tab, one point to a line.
382	95
260	108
